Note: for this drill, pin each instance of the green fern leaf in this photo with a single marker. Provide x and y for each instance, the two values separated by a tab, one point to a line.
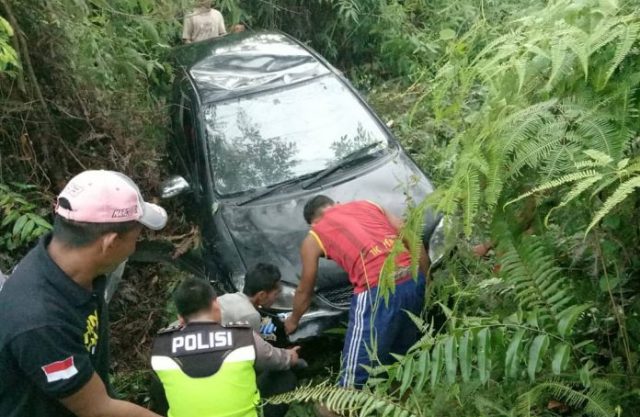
577	189
512	359
495	175
600	158
423	368
471	198
616	198
628	36
555	183
436	357
450	358
568	317
600	134
560	358
483	355
591	401
559	62
536	352
464	354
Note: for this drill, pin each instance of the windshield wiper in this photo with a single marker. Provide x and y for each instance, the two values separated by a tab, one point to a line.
347	160
273	188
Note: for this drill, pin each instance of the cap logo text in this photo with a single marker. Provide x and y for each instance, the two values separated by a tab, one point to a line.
125	212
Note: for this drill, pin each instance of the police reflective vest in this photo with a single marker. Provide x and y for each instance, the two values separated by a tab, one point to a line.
207	370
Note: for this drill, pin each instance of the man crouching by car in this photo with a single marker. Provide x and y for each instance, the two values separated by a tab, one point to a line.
359	236
207	369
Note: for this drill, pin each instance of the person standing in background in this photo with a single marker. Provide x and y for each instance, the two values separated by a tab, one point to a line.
204	22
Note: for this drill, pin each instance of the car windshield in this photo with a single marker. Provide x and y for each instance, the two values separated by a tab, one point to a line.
266	139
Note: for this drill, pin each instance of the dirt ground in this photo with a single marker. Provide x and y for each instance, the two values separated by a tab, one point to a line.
138	310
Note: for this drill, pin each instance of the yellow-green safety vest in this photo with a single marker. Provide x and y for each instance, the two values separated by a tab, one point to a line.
207	370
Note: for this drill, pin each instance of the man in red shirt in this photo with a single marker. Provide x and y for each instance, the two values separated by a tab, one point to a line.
359	236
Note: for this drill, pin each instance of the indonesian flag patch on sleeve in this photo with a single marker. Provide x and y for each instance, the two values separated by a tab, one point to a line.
60	370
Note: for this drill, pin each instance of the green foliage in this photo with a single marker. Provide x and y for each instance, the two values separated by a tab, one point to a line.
524	113
604	172
410	236
21	221
522	116
346	402
539	111
8	56
592	400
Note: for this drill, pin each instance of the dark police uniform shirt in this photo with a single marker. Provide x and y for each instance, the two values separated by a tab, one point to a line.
53	336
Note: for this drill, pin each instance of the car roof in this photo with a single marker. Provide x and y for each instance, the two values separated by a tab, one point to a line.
247	62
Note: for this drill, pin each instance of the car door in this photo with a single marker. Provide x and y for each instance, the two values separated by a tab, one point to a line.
187	149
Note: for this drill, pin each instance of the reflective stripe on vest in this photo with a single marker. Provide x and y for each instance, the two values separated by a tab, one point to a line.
229	392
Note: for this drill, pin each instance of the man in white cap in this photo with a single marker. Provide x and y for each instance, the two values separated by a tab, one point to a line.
54	341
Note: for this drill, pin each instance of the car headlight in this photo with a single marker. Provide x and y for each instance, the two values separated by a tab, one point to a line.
437	244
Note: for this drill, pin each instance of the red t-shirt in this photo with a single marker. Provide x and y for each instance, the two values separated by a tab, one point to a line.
358	237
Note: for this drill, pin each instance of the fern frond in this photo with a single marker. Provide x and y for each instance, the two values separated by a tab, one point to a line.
561	160
348	402
495	176
590	401
628	36
556	183
600	135
471	198
547	140
607	31
577	189
525	123
537	283
600	158
619	195
578	41
560	63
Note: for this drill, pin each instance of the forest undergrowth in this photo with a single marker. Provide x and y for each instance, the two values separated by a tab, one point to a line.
524	113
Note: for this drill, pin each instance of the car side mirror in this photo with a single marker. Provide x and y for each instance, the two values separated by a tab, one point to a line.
174	187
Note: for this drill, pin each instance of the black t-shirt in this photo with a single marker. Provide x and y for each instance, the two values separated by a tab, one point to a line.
53	336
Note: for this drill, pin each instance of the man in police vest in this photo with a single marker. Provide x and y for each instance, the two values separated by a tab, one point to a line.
209	370
359	236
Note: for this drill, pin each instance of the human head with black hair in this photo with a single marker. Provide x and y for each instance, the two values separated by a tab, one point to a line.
195	299
315	207
99	216
81	234
262	285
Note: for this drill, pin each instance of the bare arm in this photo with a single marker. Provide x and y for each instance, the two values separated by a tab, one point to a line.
310	252
92	400
272	358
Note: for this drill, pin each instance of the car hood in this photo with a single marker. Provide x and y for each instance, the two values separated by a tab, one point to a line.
272	231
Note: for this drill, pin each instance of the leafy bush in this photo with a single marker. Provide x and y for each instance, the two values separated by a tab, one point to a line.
530	123
21	219
8	57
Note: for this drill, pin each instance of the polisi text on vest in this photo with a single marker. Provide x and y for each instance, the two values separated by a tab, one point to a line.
200	341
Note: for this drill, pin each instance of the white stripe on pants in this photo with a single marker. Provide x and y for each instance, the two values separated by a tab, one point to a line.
351	361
